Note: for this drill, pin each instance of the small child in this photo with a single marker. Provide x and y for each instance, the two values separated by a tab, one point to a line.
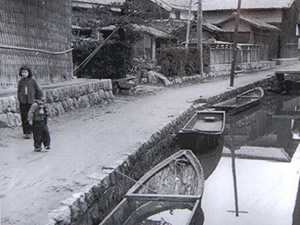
37	118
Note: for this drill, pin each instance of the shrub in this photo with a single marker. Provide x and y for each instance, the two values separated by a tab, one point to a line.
114	60
176	61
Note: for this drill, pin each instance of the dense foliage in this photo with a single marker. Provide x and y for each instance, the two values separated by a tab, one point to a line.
176	61
113	60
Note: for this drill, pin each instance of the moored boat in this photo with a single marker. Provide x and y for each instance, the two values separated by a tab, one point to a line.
203	131
242	101
177	183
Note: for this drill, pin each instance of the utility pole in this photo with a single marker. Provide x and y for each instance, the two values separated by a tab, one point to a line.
199	35
187	39
234	52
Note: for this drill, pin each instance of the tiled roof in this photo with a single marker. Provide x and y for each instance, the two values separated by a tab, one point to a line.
210	5
163	3
152	31
254	22
260	23
212	27
245	4
167	25
95	2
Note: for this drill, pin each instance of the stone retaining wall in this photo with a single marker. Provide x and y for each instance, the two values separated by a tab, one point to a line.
286	61
60	100
91	206
216	71
225	69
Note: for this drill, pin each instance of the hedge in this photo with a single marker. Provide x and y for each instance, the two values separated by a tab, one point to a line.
176	61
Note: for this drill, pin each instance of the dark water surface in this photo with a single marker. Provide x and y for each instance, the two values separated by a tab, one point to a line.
264	138
256	179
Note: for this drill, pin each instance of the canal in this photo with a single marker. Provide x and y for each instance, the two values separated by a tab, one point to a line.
256	179
252	175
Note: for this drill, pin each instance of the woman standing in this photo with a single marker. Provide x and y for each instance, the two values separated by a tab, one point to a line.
28	91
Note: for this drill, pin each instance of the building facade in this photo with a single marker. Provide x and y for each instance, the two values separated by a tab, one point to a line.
36	33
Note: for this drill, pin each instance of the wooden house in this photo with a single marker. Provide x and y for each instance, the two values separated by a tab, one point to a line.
284	14
38	34
252	31
87	17
152	40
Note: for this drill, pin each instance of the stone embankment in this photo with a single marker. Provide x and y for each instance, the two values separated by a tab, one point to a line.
60	99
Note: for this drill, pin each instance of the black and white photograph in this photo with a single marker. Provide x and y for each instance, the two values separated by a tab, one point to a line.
149	112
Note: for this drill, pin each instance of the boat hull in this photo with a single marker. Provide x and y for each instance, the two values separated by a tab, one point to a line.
129	212
175	183
241	102
201	134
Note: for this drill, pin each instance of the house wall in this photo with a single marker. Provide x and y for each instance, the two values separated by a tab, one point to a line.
288	40
38	25
268	40
143	47
276	45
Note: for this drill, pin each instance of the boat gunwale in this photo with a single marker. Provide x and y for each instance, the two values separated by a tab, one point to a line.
194	162
251	100
163	206
192	130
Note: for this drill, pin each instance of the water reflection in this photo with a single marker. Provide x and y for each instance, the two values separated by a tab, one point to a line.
170	217
270	131
167	213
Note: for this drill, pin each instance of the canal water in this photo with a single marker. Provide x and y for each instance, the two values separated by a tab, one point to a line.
252	175
256	179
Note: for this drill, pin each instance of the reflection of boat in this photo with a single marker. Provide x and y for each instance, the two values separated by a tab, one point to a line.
292	86
258	135
242	101
130	212
204	130
209	160
175	183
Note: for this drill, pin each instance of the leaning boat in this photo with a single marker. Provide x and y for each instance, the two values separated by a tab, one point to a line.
203	131
177	183
242	101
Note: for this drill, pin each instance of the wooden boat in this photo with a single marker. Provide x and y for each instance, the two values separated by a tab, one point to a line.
203	131
242	101
175	183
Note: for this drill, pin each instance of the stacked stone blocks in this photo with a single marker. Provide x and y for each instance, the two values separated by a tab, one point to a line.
60	100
